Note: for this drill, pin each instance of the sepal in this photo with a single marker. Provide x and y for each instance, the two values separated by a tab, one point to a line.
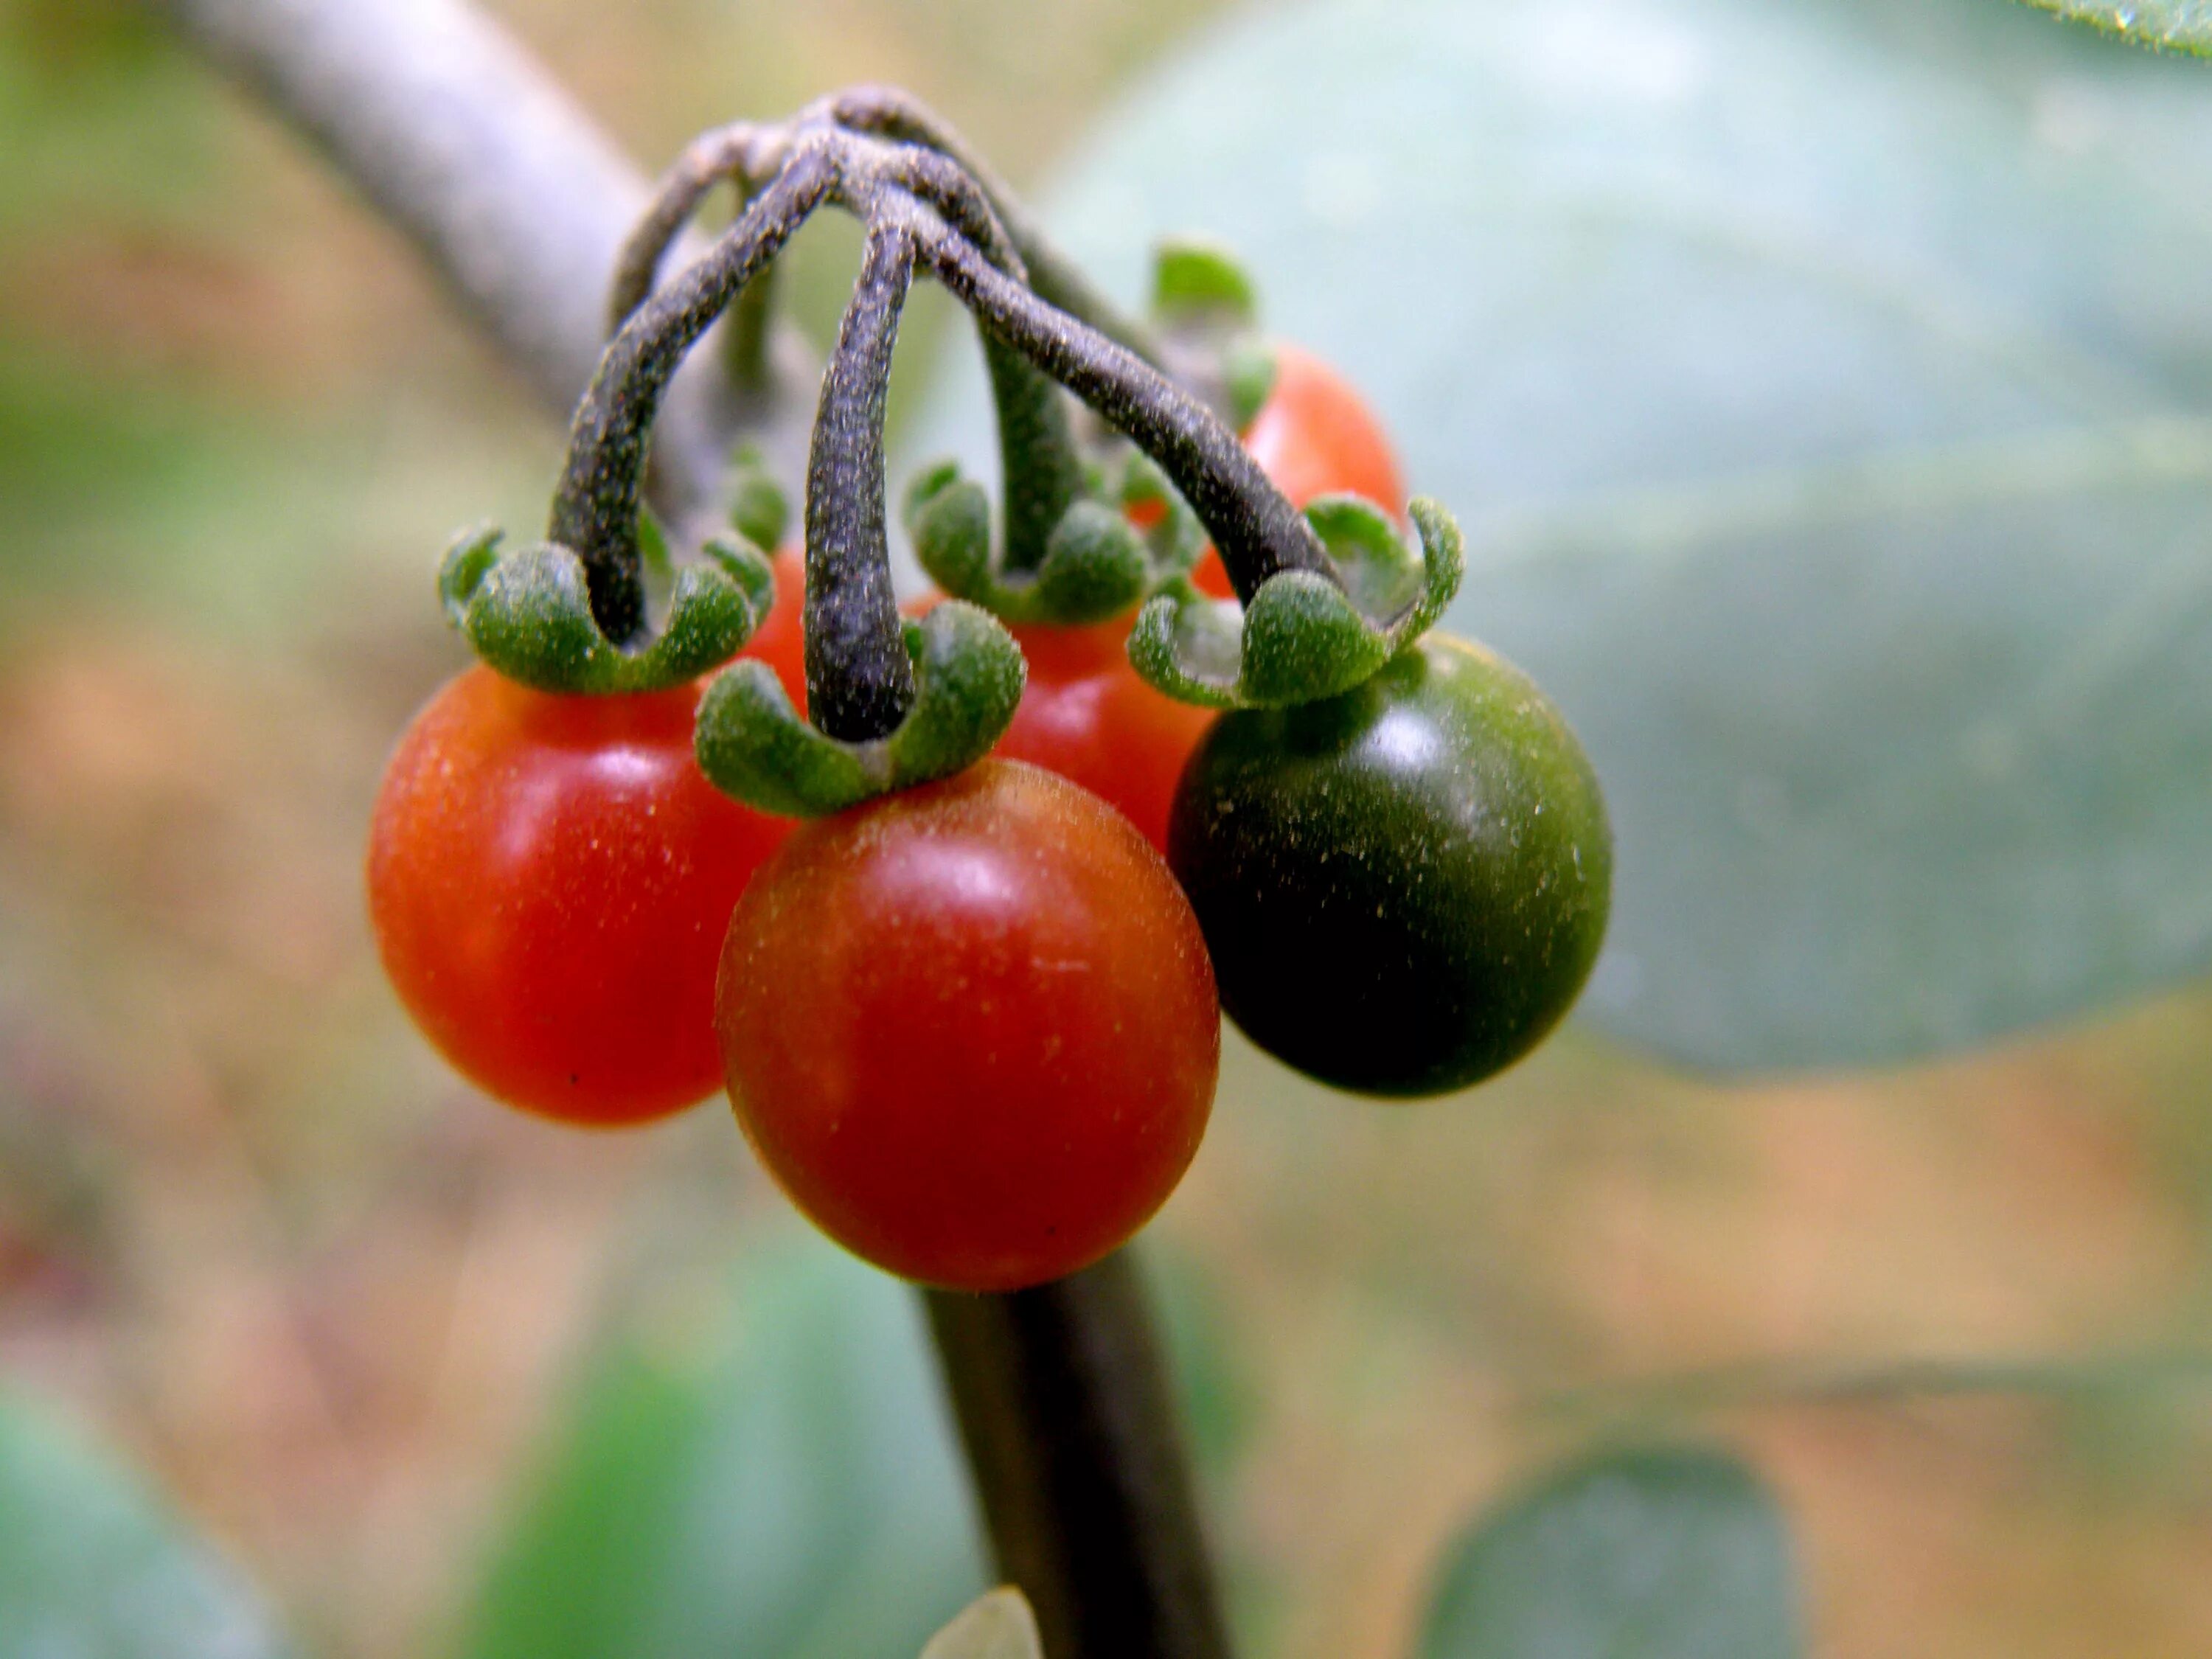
528	613
1303	638
1207	304
759	510
1097	564
1200	283
753	744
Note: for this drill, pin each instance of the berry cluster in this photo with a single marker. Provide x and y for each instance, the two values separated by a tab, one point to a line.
1173	739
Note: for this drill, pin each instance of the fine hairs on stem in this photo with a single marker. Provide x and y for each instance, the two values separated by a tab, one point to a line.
859	681
953	229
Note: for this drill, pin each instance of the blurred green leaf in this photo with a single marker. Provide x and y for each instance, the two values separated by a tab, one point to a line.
1216	1398
1826	389
784	1488
998	1625
1662	1554
84	84
94	1567
2182	25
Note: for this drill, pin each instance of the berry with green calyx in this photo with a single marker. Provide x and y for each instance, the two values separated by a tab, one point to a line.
1300	637
1404	887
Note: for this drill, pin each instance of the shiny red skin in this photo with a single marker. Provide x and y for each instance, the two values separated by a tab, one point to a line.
1086	715
971	1028
1314	435
550	879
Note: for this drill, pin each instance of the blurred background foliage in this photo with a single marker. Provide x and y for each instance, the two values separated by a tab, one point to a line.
375	1336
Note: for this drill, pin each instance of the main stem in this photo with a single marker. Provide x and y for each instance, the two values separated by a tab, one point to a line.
462	142
1063	1407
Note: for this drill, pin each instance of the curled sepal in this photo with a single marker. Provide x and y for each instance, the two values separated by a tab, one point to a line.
1096	564
528	614
758	507
753	744
1303	638
1200	283
1174	538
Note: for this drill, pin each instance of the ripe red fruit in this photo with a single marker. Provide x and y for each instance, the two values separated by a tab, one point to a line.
781	641
971	1028
550	878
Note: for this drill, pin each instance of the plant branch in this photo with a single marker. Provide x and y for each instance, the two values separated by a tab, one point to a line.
507	189
1063	1407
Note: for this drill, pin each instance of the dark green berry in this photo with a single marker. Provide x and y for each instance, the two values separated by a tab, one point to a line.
1405	886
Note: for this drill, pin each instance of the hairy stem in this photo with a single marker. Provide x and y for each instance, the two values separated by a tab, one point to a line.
860	683
595	507
1258	531
891	113
734	154
1063	1407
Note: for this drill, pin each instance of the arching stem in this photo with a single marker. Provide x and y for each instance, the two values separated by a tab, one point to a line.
595	506
891	114
1038	461
859	682
737	154
1258	531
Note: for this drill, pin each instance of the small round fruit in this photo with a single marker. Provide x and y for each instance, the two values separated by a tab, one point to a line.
1403	888
549	879
971	1028
1086	715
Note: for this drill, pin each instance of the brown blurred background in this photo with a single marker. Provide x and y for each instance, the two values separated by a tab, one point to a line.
252	1229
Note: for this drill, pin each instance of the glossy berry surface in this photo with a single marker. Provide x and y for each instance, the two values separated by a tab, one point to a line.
1405	887
971	1028
1086	715
550	879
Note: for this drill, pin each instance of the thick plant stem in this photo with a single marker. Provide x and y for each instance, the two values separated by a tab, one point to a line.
507	189
891	114
1063	1408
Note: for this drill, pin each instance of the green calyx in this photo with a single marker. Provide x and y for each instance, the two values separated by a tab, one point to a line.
754	745
1097	564
759	510
1198	284
1302	638
1206	303
528	613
